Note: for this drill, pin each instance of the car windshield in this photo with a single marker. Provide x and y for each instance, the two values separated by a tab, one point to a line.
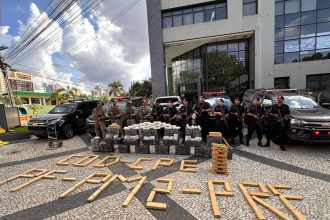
214	102
60	109
300	102
164	101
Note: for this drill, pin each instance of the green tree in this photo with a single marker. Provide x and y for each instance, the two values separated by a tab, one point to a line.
143	88
116	88
18	100
58	96
35	109
4	100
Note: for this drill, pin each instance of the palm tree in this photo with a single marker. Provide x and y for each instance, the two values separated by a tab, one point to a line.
116	88
58	96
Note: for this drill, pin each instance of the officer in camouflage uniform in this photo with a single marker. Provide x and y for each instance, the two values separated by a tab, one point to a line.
130	114
99	116
114	113
144	113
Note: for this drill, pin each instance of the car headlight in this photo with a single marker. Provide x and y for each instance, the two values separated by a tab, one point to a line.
30	123
297	122
61	122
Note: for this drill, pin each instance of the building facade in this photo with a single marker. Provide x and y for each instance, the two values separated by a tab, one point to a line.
2	83
203	46
21	81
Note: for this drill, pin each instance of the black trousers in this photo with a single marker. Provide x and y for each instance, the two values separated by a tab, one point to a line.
220	126
183	124
203	122
276	129
235	128
253	126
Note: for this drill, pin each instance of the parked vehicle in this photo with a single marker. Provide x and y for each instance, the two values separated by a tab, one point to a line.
177	102
309	121
90	122
71	118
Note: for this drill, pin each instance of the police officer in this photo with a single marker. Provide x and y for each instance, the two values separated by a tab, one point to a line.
114	113
130	115
99	116
185	113
144	112
236	113
157	112
170	113
278	122
221	113
202	110
255	114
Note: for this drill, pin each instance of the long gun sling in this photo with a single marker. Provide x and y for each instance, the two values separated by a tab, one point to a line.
281	118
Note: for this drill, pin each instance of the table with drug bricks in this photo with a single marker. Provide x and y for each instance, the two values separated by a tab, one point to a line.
79	183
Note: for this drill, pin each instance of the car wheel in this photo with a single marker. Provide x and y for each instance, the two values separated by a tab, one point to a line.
67	131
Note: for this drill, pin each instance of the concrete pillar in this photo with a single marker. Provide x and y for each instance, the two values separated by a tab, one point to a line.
30	101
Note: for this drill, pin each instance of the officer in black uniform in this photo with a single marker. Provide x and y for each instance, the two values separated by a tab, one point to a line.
170	114
202	110
185	113
278	122
236	120
221	114
255	114
157	112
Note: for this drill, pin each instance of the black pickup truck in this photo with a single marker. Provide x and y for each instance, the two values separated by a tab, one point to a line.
69	117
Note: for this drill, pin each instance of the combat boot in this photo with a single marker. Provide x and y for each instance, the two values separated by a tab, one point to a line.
247	143
283	148
259	143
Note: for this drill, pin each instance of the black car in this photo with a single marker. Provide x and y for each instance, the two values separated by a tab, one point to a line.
309	121
70	118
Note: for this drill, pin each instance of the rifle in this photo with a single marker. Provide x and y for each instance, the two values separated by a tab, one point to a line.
281	119
223	117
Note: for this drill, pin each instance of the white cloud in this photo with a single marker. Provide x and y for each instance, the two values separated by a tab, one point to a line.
120	51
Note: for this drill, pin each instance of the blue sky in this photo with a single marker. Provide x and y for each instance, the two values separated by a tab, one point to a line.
120	51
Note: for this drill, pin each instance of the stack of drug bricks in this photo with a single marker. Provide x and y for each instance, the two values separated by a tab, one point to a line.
219	156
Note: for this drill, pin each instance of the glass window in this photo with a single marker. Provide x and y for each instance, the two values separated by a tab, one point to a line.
222	47
323	15
279	8
249	7
197	63
291	46
198	17
292	6
308	17
188	19
308	5
323	29
221	13
243	44
323	54
279	34
279	47
291	57
292	19
323	42
232	46
278	58
279	21
292	33
209	15
323	4
307	55
233	54
307	43
177	20
167	22
279	83
211	48
197	53
308	30
242	56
